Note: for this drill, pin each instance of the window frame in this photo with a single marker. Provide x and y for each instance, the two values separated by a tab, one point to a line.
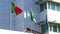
53	24
49	6
44	6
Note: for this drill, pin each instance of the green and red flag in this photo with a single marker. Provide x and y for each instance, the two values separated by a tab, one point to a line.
15	9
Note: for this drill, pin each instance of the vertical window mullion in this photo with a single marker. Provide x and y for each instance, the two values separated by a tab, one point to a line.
57	27
52	27
55	7
45	6
49	5
49	27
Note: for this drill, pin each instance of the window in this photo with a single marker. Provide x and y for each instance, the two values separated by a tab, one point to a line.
59	28
50	27
53	6
43	28
43	6
49	5
58	7
54	28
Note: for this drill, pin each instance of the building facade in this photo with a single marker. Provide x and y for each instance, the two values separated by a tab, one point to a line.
46	16
11	21
51	8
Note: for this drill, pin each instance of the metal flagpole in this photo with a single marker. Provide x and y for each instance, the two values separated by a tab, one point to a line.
10	16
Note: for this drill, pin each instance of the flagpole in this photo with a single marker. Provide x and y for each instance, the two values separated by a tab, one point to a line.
10	22
10	16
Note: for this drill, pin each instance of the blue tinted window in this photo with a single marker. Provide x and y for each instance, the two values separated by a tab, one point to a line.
53	6
50	27
58	7
54	28
49	5
43	28
43	6
59	28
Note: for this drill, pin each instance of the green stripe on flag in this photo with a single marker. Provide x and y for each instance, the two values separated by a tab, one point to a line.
12	7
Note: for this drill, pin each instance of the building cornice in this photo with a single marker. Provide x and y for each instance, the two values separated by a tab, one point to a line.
42	1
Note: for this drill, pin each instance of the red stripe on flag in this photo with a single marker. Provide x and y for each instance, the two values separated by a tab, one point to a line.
18	10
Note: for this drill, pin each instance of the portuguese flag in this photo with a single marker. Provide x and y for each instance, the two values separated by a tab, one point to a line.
15	9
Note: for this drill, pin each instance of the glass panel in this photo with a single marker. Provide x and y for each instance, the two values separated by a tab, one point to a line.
50	27
58	7
43	28
58	28
45	5
49	5
54	28
53	6
41	7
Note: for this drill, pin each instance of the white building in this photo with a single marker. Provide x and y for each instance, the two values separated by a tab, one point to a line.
51	8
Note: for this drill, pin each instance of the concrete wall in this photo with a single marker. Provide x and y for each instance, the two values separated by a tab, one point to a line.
53	16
